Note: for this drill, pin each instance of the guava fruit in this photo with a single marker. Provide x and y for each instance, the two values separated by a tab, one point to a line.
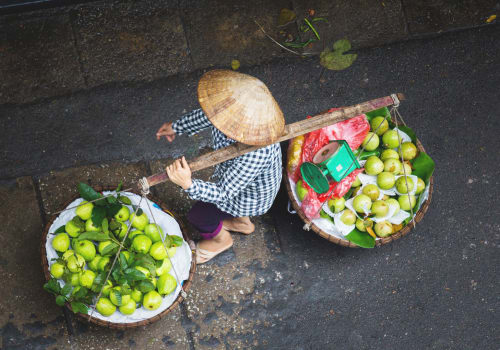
406	204
392	166
363	224
383	228
390	139
380	208
371	191
166	284
348	217
152	300
374	166
404	184
386	180
370	142
388	154
301	190
57	270
105	307
362	203
336	205
84	210
408	150
382	128
61	242
420	186
395	203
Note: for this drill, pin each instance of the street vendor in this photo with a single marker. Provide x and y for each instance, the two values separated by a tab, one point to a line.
236	107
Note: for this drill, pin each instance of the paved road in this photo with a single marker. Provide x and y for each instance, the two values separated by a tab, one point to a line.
436	288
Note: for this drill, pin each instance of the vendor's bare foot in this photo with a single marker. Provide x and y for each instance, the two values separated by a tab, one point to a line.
242	225
209	248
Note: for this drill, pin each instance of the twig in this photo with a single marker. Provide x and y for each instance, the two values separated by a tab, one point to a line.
277	43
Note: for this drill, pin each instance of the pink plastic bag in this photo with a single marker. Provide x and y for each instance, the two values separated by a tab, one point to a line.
353	130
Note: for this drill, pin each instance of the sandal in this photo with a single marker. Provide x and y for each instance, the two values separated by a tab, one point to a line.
203	255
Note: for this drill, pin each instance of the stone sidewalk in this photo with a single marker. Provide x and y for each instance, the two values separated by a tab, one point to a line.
59	51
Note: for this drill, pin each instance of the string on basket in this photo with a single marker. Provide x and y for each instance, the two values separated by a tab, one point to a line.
395	112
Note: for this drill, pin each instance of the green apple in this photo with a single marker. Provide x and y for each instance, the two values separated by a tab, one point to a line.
89	226
386	180
371	191
141	244
382	128
105	307
158	251
94	264
165	266
389	154
405	203
123	214
103	263
128	308
383	228
57	269
392	166
75	263
152	300
72	229
405	169
154	232
113	296
361	203
166	284
380	208
408	150
67	254
74	279
394	203
61	242
363	224
171	251
374	166
87	278
136	296
348	217
370	142
301	190
103	245
107	288
420	186
336	205
139	221
84	210
356	182
390	139
144	270
86	249
404	184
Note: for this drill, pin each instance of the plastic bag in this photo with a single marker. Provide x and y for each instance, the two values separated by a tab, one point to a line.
294	153
353	130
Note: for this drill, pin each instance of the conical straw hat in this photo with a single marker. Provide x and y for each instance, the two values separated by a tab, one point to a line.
240	106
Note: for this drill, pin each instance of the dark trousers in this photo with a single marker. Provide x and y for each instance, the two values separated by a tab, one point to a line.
207	218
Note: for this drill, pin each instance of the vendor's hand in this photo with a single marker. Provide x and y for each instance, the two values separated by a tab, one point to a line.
167	131
179	173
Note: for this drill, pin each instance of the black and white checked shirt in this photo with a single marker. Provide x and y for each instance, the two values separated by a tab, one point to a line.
246	185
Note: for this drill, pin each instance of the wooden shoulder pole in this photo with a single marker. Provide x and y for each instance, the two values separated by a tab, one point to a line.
291	130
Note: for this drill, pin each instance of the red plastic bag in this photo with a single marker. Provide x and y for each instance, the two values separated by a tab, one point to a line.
353	130
312	144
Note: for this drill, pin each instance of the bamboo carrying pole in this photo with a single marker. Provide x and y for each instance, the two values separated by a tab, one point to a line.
291	130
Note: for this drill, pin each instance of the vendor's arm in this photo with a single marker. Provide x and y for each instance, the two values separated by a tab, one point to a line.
242	172
191	123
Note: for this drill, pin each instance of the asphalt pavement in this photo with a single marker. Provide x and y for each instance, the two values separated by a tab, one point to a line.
436	288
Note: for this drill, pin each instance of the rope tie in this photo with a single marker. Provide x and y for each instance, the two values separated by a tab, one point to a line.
144	186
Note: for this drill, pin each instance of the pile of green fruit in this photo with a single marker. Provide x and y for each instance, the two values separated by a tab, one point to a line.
395	177
87	245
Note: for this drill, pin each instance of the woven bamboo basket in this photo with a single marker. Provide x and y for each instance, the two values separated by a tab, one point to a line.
178	300
343	242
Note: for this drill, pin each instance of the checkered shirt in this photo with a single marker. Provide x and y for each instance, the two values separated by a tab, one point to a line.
246	185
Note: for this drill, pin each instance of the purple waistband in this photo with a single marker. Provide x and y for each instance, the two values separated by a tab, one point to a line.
211	235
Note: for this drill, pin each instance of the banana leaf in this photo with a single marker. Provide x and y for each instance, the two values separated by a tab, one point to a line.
362	239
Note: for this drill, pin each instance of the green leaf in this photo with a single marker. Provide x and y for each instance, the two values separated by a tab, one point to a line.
123	261
98	214
125	289
176	240
286	16
125	200
99	279
80	293
119	188
145	286
113	209
384	112
77	306
134	275
423	167
114	225
316	33
319	19
105	225
60	300
61	229
109	248
409	132
118	296
66	290
362	239
94	236
52	286
336	59
78	222
89	194
112	200
139	212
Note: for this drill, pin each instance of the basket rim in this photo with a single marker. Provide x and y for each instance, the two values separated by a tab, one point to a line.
185	287
345	243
